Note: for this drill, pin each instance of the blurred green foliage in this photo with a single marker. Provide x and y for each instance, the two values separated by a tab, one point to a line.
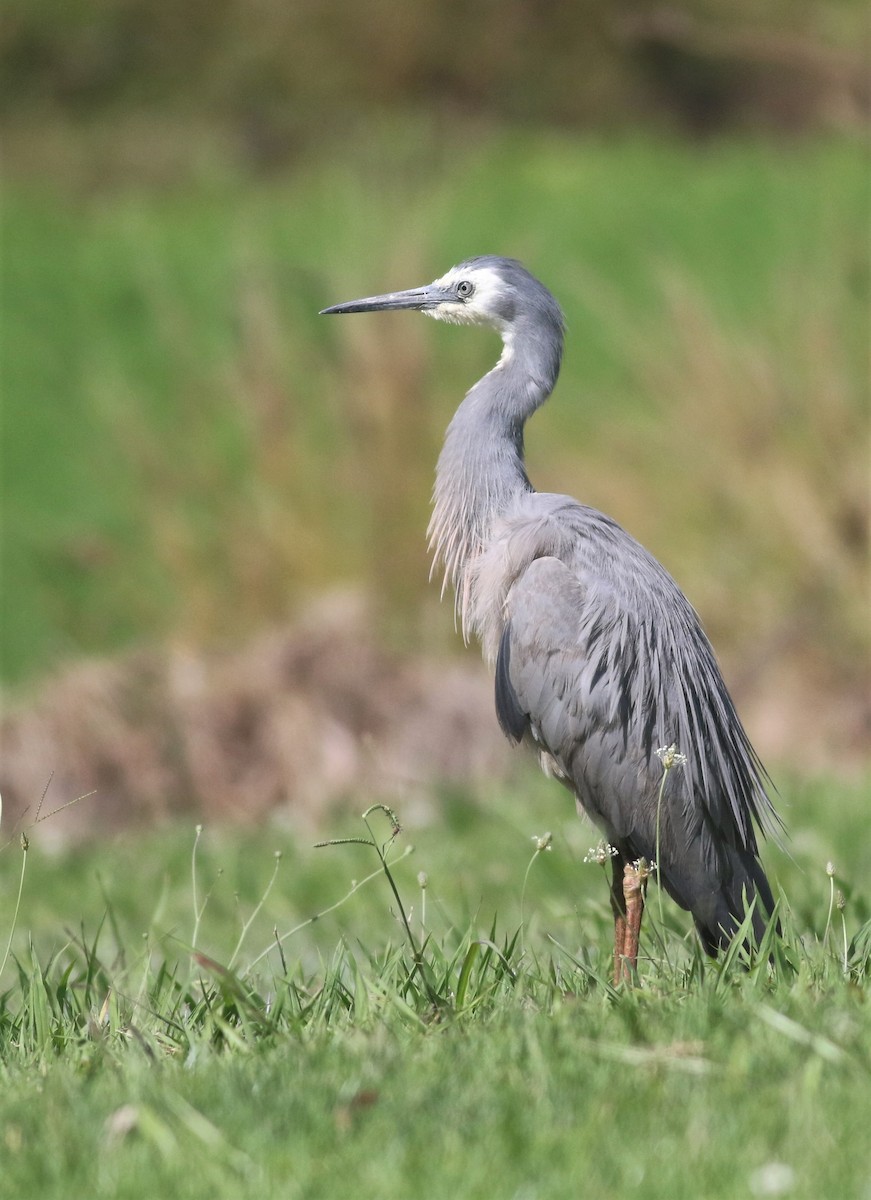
280	76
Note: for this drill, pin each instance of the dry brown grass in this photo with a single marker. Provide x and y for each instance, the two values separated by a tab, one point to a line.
293	722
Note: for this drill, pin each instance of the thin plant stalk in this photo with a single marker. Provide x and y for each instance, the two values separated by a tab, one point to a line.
541	844
666	767
324	912
670	758
830	871
198	911
25	844
247	925
381	851
422	881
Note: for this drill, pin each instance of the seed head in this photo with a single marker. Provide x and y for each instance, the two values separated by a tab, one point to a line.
601	853
670	757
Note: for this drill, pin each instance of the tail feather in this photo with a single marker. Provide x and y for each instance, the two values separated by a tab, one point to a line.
719	918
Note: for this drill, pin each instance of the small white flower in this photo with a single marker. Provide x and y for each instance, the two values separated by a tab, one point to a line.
422	879
601	853
830	869
543	842
670	756
773	1179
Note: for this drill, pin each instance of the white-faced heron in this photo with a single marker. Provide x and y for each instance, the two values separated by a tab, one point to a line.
600	661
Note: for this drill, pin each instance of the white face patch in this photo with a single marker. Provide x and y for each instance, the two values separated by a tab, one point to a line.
482	305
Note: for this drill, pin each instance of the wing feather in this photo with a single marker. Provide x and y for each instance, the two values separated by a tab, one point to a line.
604	660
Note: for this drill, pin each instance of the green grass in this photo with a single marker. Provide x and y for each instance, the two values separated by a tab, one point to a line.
189	449
503	1065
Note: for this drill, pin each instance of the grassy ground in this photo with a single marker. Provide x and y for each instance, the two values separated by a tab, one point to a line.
155	1040
189	449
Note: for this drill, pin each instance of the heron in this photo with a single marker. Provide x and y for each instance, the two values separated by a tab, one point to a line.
601	665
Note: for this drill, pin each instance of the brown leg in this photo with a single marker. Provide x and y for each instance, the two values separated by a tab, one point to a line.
619	947
618	907
635	876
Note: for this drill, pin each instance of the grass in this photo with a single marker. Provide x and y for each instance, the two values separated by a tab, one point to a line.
189	450
472	1058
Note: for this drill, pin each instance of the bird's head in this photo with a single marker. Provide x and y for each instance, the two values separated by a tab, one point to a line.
481	291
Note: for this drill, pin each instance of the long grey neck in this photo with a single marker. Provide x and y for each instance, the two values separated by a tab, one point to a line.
481	468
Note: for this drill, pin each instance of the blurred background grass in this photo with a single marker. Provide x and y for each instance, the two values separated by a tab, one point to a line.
190	455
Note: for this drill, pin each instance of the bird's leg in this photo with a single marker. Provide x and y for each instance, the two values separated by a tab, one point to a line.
618	907
619	947
635	876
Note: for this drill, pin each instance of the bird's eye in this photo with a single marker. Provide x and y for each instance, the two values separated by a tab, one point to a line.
465	289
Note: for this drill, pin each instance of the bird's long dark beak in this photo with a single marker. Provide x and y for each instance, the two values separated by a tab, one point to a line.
417	298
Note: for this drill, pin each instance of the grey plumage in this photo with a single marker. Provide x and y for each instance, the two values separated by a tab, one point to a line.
599	659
